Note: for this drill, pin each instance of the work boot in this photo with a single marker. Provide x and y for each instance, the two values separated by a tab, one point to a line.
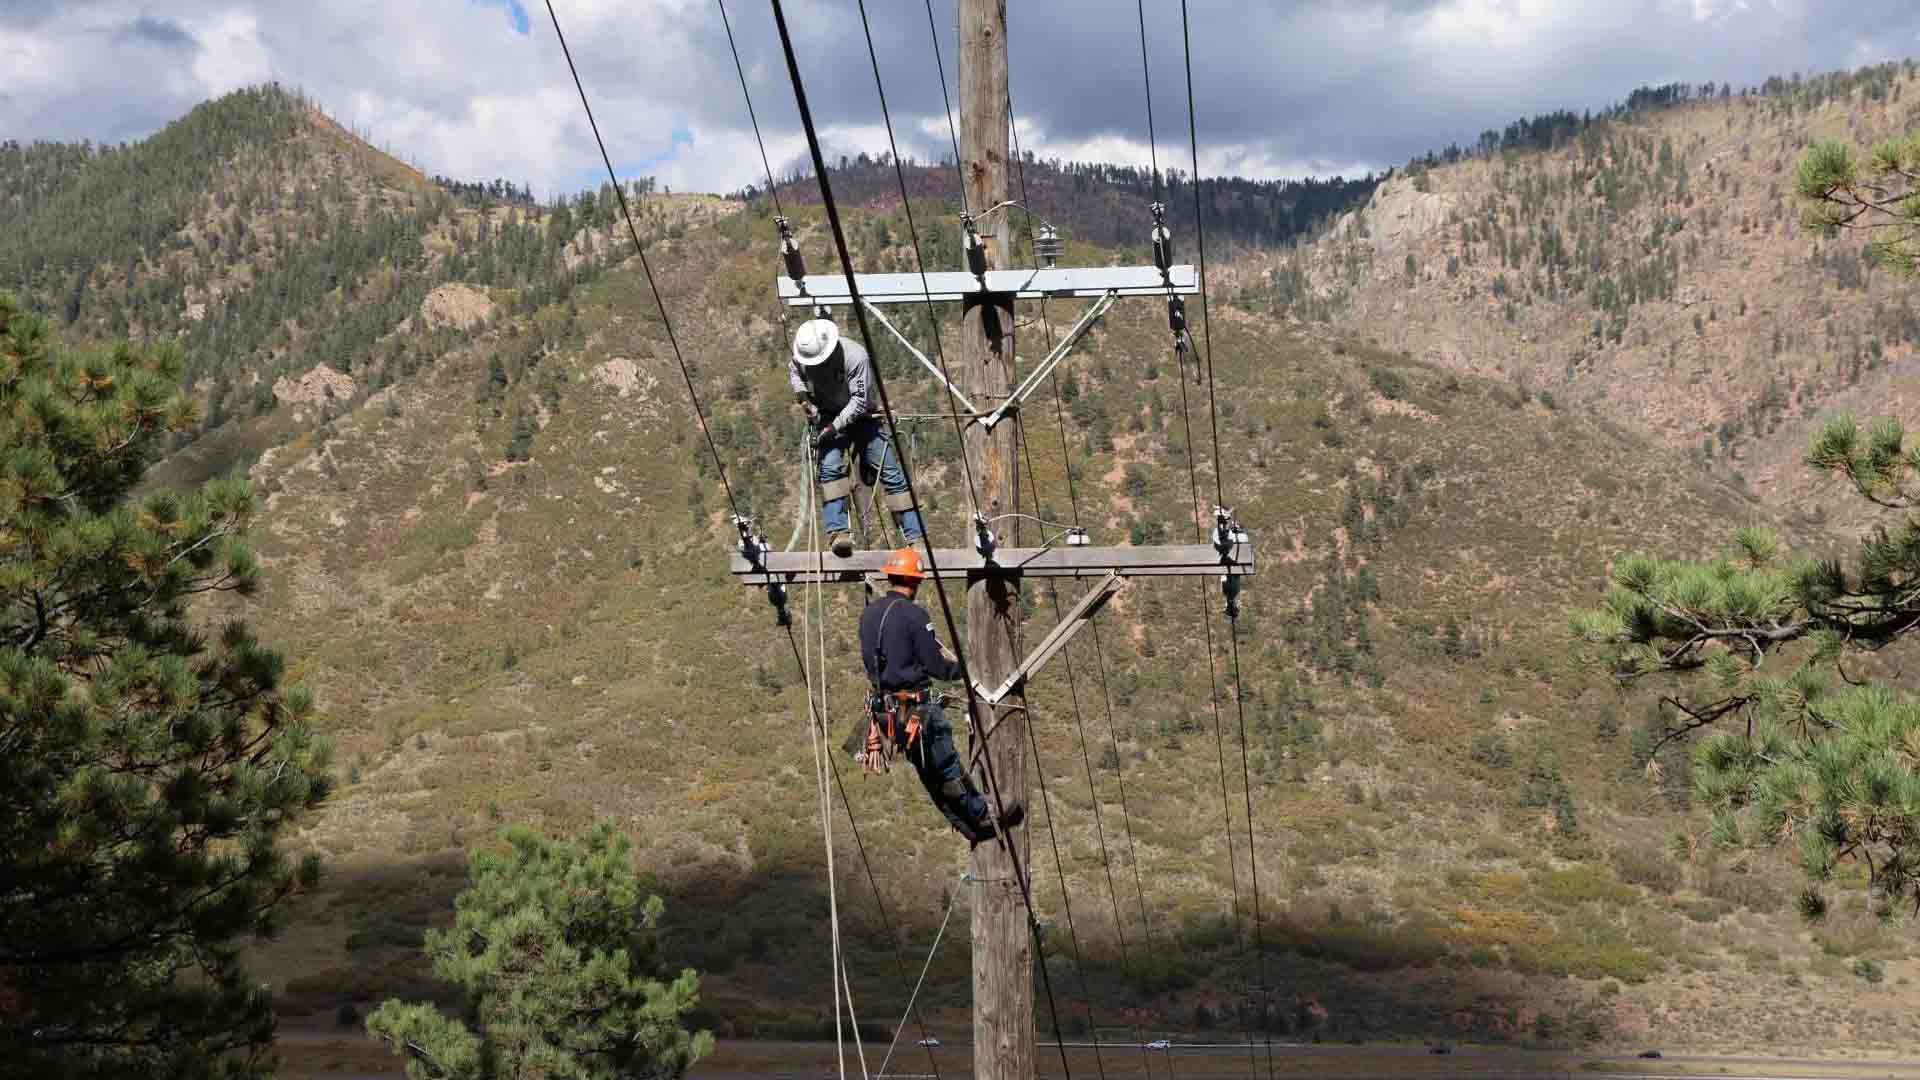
984	829
841	543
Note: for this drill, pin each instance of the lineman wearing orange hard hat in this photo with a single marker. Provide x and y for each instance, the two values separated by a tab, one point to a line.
903	658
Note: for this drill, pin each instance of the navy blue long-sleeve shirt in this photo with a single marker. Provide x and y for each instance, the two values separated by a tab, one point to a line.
898	646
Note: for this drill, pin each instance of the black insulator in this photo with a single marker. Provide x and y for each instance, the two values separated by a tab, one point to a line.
1162	248
790	251
1177	314
976	250
777	596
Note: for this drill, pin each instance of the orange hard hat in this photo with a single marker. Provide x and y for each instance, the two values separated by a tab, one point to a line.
904	563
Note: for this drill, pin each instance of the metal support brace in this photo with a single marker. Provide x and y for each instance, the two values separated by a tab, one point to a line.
920	356
1078	616
1059	353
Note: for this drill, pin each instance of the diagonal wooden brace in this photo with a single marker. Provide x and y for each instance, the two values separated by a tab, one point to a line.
1070	623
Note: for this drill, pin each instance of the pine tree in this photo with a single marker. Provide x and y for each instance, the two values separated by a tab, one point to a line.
1881	195
551	946
1788	757
149	768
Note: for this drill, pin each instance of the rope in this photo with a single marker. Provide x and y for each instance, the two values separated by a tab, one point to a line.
860	845
817	734
913	233
946	608
953	897
773	189
627	213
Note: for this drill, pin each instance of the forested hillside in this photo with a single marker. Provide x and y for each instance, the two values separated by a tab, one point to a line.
497	557
268	241
1651	265
1109	205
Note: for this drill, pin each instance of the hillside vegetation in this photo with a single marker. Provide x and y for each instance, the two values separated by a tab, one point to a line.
501	569
1652	267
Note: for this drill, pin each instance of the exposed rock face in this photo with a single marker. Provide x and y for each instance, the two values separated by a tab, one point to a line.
1396	216
316	387
455	305
623	376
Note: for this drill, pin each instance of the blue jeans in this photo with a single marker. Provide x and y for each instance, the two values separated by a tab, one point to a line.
877	449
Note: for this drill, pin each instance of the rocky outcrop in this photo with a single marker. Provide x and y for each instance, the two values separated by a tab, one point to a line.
455	305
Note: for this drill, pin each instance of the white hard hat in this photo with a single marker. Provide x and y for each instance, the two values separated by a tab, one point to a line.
815	341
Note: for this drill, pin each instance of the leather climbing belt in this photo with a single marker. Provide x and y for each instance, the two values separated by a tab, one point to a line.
888	716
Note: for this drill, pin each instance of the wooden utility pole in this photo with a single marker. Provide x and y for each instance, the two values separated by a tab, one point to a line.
1002	942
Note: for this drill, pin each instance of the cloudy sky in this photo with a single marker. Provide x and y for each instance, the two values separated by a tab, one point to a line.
478	88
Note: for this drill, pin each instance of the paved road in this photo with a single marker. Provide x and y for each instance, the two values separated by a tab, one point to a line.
349	1055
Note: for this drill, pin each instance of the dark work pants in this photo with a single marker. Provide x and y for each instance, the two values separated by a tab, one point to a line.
941	773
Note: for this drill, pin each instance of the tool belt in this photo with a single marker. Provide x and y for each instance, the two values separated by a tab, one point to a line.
894	719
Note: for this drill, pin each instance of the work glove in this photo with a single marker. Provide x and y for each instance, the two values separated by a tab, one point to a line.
812	411
822	434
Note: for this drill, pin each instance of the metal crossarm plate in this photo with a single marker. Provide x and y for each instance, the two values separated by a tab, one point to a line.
1058	282
957	564
1070	623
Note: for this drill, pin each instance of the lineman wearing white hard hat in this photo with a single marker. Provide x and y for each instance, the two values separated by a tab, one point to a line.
830	377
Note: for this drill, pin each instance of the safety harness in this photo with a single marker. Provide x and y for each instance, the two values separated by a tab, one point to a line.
889	713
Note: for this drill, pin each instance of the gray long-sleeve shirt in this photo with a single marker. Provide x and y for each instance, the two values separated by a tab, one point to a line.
837	385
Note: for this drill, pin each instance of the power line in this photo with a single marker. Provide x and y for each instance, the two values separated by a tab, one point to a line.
1219	489
773	189
1099	652
1073	686
626	212
1200	235
946	608
1153	152
940	68
913	233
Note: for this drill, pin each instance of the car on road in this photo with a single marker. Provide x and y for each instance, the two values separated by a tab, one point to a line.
1650	1054
928	1041
1160	1044
1439	1048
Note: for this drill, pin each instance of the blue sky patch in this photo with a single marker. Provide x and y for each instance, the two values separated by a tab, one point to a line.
516	13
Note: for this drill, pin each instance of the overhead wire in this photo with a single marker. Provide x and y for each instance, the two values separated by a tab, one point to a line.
1146	77
1193	483
773	189
1073	499
1219	488
913	233
626	212
1073	688
816	721
846	260
953	132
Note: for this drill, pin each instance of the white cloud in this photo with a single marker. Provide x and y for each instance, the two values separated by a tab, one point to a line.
1308	87
231	53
